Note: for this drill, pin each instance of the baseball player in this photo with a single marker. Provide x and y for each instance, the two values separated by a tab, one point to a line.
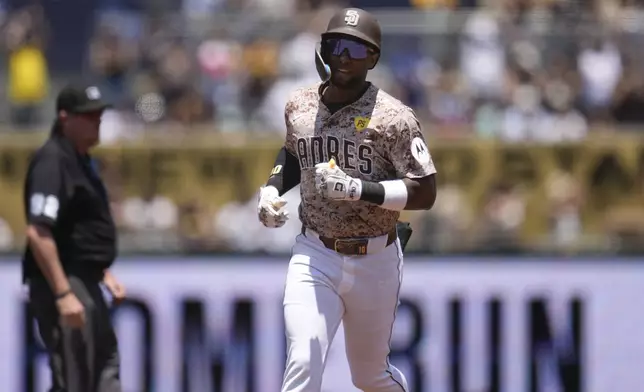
360	158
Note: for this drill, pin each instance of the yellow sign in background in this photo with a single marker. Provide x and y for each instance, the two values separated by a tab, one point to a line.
610	171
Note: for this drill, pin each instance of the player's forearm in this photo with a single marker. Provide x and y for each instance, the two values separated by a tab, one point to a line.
406	194
45	252
421	193
286	172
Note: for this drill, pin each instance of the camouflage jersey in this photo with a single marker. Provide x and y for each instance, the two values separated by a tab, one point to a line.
375	138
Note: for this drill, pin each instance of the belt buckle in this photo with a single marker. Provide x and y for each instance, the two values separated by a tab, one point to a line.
361	249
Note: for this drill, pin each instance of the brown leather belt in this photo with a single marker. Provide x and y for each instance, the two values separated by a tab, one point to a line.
352	246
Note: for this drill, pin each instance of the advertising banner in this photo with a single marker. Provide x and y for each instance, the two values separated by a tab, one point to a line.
464	325
216	170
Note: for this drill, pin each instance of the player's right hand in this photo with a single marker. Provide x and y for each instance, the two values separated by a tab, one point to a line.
71	310
271	208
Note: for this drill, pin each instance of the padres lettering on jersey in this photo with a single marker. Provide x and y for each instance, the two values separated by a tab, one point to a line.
316	149
376	138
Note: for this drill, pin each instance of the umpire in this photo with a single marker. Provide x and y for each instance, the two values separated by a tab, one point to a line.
71	243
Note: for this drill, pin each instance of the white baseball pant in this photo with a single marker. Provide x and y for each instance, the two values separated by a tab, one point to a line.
324	288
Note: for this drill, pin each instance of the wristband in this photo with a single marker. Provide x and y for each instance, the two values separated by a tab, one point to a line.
391	195
373	192
63	294
395	195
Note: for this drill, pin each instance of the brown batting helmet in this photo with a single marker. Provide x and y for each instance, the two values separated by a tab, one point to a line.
355	22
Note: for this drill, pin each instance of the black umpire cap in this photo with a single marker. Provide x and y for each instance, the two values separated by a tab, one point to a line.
80	98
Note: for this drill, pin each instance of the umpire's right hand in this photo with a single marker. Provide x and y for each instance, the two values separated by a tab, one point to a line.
71	310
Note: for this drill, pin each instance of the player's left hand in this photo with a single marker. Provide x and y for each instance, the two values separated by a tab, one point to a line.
335	184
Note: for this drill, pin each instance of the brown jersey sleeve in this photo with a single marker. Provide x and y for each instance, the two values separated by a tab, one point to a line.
407	149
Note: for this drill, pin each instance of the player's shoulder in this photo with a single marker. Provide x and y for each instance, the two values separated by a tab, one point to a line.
390	106
302	95
391	110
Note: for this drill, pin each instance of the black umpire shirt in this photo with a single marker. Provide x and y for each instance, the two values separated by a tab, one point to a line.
64	193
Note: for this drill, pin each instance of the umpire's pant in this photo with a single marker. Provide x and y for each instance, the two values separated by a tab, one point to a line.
81	360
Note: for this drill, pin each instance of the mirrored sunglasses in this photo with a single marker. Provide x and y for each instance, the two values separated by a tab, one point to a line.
355	50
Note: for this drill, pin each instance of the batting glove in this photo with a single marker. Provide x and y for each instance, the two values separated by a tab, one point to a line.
270	208
335	184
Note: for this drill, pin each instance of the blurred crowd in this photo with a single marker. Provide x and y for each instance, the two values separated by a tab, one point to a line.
542	70
515	70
